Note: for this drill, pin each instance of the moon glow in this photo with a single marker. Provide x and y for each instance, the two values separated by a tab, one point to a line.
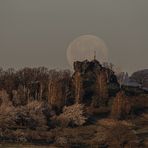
84	47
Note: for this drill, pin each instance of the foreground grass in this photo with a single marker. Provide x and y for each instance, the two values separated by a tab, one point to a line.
105	132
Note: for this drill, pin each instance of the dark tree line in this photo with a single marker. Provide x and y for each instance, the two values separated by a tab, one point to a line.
30	83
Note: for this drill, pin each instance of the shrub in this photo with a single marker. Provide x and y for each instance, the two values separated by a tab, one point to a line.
61	141
72	115
7	110
33	115
30	116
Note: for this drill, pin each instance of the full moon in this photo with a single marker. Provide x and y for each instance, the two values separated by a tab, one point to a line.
86	47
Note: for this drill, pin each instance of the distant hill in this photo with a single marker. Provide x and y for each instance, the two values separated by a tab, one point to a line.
140	77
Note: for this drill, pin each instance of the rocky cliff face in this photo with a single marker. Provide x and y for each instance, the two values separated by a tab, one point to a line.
121	106
90	82
89	85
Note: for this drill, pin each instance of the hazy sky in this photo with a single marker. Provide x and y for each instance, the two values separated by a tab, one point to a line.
38	32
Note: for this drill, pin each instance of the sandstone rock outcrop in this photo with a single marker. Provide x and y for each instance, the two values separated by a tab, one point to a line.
121	106
90	82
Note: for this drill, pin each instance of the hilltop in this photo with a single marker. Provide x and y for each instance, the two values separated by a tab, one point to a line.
86	108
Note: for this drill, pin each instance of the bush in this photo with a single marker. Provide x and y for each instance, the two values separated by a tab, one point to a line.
61	141
30	116
72	115
7	110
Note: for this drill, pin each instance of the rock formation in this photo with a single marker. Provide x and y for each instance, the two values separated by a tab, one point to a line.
121	106
90	82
